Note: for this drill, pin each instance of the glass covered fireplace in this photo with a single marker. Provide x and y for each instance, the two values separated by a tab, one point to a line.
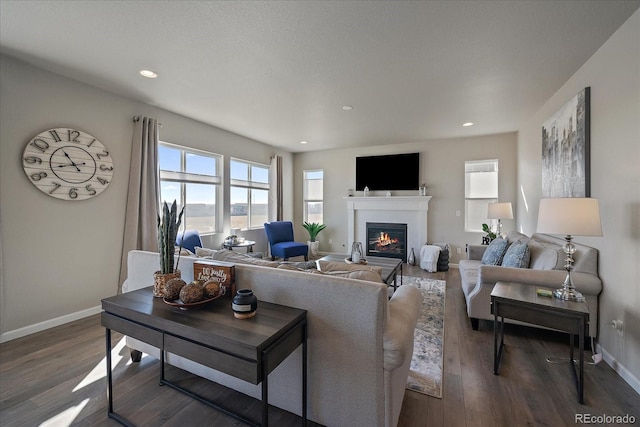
386	239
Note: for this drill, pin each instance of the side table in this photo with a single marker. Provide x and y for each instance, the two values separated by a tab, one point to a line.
521	302
246	244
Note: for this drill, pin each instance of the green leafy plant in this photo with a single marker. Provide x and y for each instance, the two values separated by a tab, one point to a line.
313	228
490	234
168	226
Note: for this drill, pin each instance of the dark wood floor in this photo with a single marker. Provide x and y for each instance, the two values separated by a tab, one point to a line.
56	378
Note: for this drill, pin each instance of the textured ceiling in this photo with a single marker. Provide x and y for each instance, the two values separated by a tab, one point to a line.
280	71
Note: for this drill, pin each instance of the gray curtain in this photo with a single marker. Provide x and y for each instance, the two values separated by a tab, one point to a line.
275	195
140	229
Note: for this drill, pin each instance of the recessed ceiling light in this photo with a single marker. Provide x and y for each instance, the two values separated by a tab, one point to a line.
347	107
148	74
467	124
303	142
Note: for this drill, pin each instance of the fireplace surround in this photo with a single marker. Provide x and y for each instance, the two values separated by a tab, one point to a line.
410	210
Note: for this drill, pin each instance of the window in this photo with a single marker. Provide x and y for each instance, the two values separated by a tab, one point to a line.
312	195
192	178
249	194
480	189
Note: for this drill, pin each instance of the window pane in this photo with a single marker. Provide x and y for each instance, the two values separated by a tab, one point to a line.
481	184
169	191
259	174
314	212
202	165
239	205
169	158
200	213
313	174
259	207
239	170
313	189
476	214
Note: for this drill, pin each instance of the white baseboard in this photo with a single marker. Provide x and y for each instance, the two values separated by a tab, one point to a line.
619	368
47	324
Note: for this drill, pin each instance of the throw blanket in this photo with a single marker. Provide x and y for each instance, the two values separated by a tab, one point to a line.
429	258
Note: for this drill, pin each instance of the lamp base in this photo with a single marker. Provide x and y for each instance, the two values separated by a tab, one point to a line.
568	294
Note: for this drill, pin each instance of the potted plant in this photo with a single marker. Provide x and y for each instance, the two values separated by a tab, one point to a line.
490	236
168	225
313	228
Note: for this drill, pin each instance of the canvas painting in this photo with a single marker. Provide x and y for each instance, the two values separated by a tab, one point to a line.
565	150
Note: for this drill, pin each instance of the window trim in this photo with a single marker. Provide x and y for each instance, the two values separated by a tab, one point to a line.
184	178
305	200
250	185
490	222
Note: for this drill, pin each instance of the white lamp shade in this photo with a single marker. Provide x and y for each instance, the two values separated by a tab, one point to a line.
573	216
499	211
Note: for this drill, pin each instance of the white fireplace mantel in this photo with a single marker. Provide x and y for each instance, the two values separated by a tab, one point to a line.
410	210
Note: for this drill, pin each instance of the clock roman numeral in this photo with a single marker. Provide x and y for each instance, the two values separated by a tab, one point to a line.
54	134
40	144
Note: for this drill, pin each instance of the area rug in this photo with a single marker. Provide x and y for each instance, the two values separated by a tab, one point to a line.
425	375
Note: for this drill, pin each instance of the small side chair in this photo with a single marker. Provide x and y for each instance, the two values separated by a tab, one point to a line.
190	240
281	243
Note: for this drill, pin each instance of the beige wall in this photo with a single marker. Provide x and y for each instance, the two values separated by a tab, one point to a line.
60	258
613	73
441	167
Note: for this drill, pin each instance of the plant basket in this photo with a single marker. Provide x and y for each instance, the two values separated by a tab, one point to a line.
160	279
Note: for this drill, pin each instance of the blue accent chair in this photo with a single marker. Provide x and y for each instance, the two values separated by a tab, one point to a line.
190	240
280	236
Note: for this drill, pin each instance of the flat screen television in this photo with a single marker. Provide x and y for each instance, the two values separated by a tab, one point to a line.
389	172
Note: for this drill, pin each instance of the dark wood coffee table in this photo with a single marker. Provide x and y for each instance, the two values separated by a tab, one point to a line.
391	267
248	349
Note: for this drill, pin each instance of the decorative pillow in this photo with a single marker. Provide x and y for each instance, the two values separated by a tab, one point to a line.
544	257
204	252
517	255
494	253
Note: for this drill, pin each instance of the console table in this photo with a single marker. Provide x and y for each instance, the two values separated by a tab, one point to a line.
521	302
248	349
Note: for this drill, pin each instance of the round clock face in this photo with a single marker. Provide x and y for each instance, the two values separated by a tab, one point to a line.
67	164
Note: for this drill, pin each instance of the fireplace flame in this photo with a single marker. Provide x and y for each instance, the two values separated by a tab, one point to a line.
385	240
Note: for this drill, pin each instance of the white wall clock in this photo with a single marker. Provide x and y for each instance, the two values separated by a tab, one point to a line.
67	164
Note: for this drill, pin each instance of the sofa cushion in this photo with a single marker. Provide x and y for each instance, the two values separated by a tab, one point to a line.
230	256
544	257
517	255
495	252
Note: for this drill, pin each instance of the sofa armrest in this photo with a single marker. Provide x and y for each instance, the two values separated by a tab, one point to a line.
475	252
404	309
586	283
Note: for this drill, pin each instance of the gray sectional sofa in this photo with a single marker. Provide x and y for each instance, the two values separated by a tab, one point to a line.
545	270
360	342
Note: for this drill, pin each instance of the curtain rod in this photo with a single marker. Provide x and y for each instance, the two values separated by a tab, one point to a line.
137	119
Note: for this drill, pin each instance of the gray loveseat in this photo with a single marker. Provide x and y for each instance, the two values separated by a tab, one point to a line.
360	343
545	270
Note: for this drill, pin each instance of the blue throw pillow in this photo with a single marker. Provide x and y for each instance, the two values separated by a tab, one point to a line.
517	255
494	253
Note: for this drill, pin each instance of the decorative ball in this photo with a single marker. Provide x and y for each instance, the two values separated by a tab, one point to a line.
173	287
193	292
211	289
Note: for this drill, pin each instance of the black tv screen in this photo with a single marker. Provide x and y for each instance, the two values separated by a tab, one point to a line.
390	172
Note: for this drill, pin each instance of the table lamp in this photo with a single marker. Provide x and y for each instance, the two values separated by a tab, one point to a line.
499	211
572	217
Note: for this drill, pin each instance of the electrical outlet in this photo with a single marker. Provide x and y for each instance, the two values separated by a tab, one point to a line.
459	250
331	241
457	213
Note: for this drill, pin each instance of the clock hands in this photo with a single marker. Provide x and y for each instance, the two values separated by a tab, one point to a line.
75	165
